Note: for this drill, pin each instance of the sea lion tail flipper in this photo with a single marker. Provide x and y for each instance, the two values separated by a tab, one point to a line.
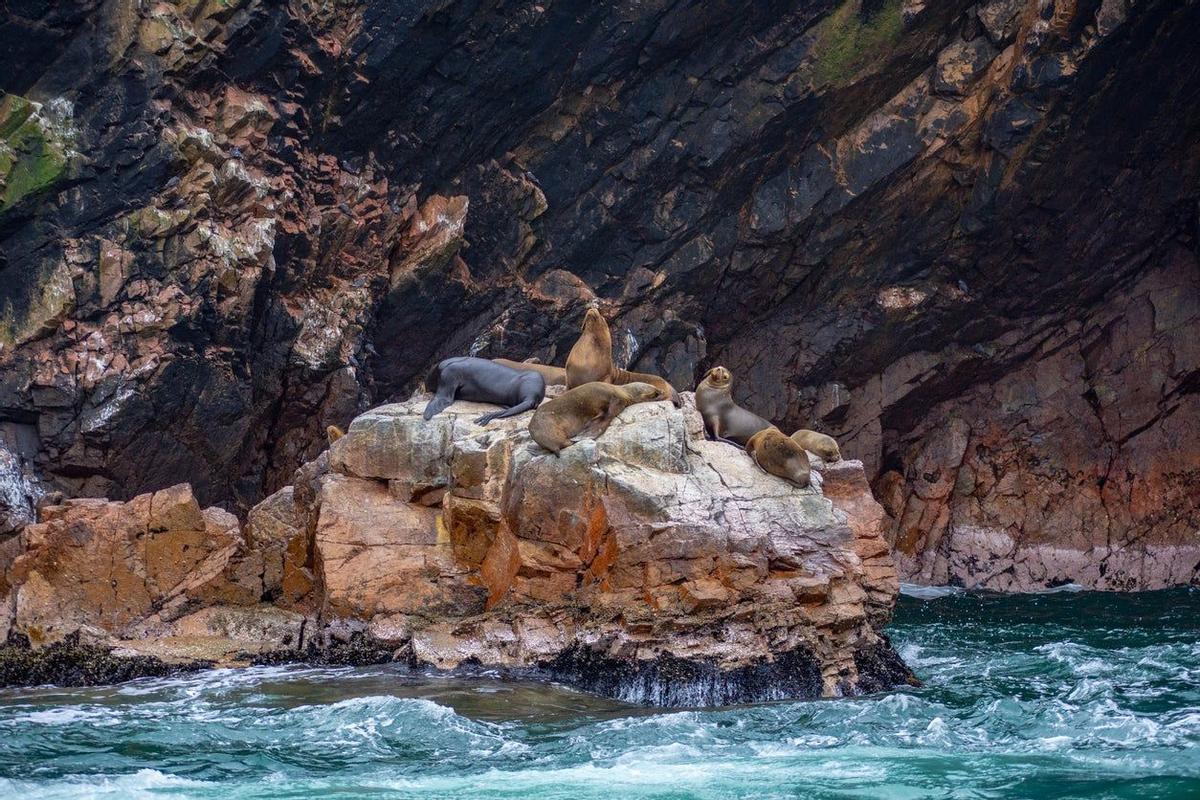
519	408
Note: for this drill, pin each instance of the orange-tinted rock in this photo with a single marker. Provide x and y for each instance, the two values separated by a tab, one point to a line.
648	545
112	567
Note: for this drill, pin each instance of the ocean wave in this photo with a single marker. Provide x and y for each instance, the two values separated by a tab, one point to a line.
1015	688
139	785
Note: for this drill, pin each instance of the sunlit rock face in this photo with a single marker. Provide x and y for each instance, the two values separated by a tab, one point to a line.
959	236
648	564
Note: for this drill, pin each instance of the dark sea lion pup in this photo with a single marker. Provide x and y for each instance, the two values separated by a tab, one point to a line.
777	454
552	375
591	359
826	447
725	420
585	411
483	381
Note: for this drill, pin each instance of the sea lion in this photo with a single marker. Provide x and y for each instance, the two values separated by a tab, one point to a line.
333	433
777	454
725	420
591	359
585	411
552	375
826	447
483	381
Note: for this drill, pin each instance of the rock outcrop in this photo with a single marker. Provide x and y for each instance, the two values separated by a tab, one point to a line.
156	576
959	236
649	564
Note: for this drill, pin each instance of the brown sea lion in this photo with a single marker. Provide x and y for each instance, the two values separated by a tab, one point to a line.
826	447
777	454
552	375
591	359
585	411
725	420
333	433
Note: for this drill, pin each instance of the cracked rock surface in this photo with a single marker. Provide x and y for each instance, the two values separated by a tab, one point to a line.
960	236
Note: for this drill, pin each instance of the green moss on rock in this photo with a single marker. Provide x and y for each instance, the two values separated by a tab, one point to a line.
33	153
848	41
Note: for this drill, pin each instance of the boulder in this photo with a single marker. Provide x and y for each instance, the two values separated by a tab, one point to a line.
131	571
648	553
647	564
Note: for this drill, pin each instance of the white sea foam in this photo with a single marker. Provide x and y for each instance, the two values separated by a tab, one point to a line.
145	783
929	592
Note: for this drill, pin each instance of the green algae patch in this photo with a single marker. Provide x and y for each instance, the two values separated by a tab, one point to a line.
34	151
849	40
51	300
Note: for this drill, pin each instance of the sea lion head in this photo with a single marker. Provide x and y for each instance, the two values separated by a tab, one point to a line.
642	392
592	318
718	377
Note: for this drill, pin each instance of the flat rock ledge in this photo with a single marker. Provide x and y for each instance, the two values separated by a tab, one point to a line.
648	565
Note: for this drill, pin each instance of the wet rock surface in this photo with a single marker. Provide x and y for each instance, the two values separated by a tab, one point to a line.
961	237
649	564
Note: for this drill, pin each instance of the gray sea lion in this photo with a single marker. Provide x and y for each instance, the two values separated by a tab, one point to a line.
725	420
591	359
483	381
777	454
826	447
585	410
552	375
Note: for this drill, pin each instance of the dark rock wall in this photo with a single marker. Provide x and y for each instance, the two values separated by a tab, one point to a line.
962	237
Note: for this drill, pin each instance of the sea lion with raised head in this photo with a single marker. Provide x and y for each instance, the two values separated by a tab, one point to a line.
777	454
725	420
585	410
825	447
482	381
591	359
552	375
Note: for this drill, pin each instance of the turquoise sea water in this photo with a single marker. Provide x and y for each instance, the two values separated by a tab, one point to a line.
1077	695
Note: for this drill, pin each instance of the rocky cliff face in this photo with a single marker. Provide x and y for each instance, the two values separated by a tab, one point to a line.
960	236
648	565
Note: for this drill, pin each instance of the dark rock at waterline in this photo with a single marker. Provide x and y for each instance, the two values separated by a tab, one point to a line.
74	663
882	668
674	682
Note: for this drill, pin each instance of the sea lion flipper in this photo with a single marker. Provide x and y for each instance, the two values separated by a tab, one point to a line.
438	404
598	424
519	408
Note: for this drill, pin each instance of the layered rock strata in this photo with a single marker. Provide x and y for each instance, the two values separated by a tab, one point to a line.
650	565
960	236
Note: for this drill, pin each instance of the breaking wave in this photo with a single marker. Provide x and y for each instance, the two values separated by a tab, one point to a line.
1072	694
